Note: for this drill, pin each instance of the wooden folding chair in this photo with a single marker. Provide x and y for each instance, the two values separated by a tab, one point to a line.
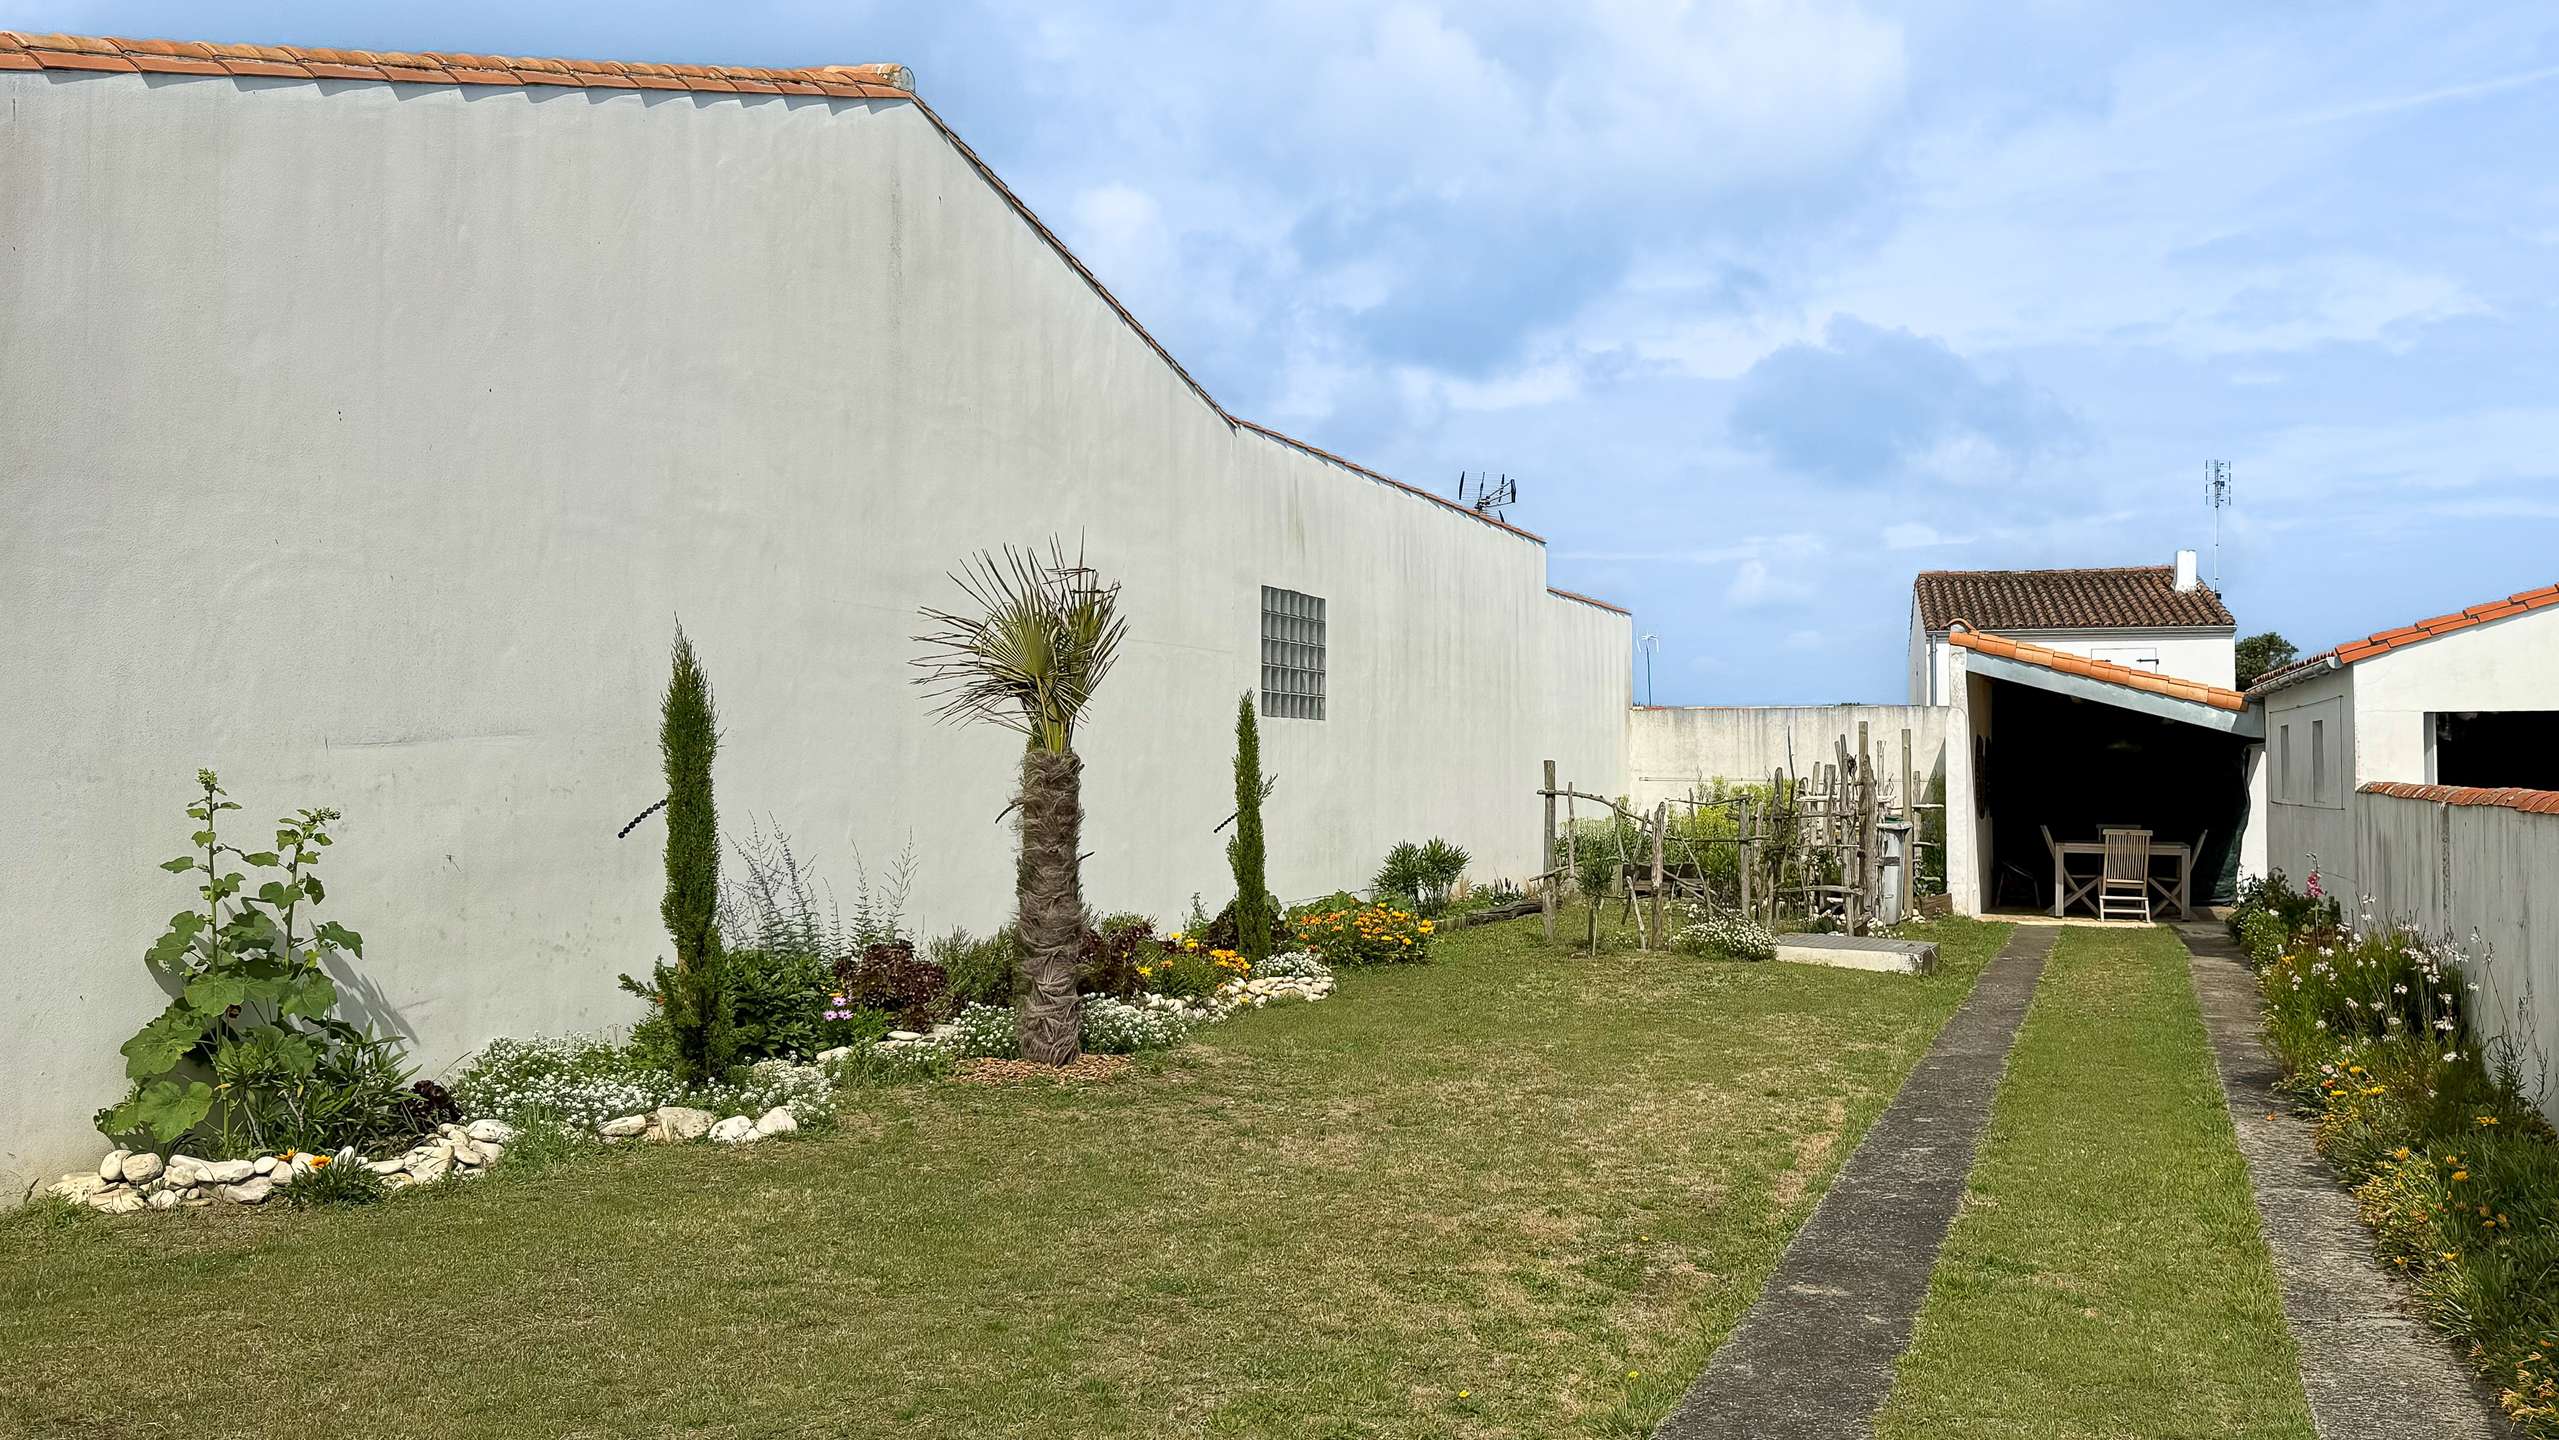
2123	891
2074	888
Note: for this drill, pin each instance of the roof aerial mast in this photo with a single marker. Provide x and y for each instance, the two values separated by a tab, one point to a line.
1490	494
2217	494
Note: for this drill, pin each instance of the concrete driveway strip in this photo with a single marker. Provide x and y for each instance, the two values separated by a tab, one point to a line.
1813	1358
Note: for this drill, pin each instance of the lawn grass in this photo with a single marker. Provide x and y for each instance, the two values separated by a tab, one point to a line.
2107	1275
1548	1181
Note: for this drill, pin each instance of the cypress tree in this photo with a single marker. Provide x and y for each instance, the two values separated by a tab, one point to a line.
1254	921
698	1002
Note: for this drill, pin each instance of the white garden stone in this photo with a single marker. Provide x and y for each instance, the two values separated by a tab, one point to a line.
490	1153
490	1132
392	1166
840	1052
111	1169
906	1034
249	1192
165	1200
466	1152
735	1130
227	1172
141	1167
76	1187
120	1201
430	1169
263	1165
682	1122
623	1127
777	1121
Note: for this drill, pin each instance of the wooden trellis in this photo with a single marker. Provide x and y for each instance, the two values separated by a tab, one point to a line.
1811	850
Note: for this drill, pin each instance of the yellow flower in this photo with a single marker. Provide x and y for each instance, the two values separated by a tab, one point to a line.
2460	1174
1462	1394
2487	1119
1631	1374
2399	1154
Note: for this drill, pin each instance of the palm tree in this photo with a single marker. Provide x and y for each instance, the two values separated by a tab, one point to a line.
1042	635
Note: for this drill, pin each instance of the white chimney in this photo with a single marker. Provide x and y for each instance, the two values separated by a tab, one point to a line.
2185	571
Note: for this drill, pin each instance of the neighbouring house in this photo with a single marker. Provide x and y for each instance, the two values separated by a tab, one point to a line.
374	419
2159	618
2468	701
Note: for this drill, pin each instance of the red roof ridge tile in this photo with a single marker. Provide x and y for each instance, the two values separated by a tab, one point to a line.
2382	642
2531	802
23	50
2064	662
1588	600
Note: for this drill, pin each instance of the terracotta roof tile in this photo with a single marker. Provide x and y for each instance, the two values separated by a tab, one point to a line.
23	51
2062	661
2140	597
2382	642
2533	802
1587	600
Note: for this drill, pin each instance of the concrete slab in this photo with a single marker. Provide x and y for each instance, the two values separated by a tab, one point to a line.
1860	952
2372	1369
1813	1358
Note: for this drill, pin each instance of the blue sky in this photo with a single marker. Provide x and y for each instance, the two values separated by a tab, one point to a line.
1769	305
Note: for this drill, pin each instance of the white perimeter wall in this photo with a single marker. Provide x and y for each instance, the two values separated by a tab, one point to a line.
1671	751
365	443
2473	873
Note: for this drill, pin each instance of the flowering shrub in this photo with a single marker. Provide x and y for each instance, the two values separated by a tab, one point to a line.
809	1090
577	1081
1115	1027
2452	1166
1185	968
1731	935
2262	935
1292	965
2275	896
988	1032
1364	935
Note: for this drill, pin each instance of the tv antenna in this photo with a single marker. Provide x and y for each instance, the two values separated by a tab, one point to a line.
2217	494
1486	494
1651	643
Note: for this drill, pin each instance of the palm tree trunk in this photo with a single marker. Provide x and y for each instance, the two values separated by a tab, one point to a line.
1050	895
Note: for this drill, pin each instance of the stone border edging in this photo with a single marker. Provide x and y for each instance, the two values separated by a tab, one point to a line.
1814	1357
2371	1368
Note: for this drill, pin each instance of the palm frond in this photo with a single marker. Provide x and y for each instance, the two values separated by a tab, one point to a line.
1042	636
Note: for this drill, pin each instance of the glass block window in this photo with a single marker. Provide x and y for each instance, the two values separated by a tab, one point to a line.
1292	654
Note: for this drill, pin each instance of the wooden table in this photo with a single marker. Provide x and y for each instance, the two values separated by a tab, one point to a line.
2179	895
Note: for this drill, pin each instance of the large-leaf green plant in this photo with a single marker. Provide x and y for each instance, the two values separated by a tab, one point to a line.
253	1020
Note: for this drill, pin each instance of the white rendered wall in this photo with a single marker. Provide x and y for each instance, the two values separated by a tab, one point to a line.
2307	821
2509	664
366	442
